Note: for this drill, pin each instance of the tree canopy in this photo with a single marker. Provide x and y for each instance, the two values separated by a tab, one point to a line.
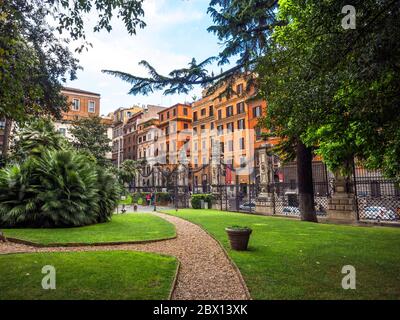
335	88
35	60
90	136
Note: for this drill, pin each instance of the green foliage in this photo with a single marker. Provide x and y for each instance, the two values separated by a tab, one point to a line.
52	185
91	137
314	254
244	28
336	88
35	62
36	137
196	200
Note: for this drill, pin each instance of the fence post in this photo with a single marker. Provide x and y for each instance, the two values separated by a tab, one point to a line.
341	206
264	202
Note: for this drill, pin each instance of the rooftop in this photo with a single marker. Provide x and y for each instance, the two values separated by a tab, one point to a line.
69	89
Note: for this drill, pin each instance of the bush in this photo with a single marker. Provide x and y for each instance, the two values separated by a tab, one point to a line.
163	197
196	200
61	188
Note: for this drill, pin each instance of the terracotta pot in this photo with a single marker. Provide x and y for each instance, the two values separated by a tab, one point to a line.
239	238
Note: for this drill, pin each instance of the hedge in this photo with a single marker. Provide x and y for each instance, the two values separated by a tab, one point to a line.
196	200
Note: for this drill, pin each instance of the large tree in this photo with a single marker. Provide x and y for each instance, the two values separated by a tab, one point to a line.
35	61
245	28
90	136
337	88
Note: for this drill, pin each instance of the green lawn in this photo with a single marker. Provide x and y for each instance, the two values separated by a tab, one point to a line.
289	259
127	227
88	275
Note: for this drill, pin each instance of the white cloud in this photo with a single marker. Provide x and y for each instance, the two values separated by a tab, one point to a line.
118	50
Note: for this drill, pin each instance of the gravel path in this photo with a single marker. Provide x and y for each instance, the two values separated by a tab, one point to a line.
205	271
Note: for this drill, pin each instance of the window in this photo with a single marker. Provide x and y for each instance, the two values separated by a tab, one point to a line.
257	112
229	127
174	112
140	139
219	114
204	160
229	111
2	124
185	111
62	131
241	124
167	114
240	107
92	107
212	126
185	126
162	117
220	130
210	111
242	162
241	143
203	112
258	133
230	145
195	146
239	89
203	145
202	129
195	116
76	104
221	146
196	162
195	131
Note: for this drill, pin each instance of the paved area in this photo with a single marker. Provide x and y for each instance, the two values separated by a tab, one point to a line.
205	271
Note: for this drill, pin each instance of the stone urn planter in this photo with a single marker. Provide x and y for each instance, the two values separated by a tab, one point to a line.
238	237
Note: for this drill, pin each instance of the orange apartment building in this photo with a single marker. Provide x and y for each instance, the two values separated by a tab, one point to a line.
121	117
82	104
229	125
175	124
147	136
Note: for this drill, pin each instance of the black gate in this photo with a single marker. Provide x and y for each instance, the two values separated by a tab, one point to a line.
285	189
377	197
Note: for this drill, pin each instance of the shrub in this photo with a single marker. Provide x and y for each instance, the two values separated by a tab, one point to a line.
196	200
109	194
163	197
61	188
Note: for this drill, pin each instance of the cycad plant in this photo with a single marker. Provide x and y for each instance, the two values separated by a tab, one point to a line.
53	185
57	189
109	194
36	137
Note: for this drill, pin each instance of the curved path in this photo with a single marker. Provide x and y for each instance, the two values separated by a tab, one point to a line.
205	270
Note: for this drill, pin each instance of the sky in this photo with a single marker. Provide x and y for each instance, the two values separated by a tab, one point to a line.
175	33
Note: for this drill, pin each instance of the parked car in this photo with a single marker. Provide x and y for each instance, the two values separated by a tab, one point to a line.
379	213
248	206
294	211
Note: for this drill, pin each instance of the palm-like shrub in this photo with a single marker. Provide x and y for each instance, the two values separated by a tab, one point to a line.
35	138
57	189
109	194
18	190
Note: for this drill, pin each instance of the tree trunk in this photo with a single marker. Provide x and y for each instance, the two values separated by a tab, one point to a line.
305	183
6	138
